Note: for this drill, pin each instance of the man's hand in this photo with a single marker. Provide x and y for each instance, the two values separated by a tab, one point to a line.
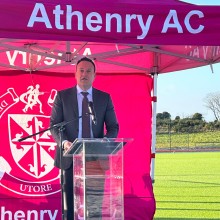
66	145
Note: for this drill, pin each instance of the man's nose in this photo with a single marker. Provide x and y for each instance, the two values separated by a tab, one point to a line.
86	72
83	73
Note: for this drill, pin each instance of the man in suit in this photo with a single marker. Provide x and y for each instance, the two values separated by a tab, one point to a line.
68	107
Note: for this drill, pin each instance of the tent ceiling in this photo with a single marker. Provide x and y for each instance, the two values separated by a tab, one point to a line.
131	36
33	55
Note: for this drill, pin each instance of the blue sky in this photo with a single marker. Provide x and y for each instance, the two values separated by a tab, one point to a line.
202	2
182	93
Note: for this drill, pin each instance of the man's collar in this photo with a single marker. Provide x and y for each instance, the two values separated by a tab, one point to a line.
79	90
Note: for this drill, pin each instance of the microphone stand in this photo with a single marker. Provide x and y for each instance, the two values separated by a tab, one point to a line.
61	127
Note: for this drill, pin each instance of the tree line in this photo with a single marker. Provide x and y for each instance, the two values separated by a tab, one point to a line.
195	123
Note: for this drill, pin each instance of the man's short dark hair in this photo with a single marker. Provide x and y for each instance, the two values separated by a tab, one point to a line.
86	59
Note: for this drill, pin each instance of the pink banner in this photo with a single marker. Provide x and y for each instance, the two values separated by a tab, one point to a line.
29	183
136	22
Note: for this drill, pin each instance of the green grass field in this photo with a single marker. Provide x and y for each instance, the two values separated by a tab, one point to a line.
187	186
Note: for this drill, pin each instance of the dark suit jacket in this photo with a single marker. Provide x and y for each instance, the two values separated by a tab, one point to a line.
65	108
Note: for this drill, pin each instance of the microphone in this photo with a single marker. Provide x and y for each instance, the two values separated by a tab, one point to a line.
92	112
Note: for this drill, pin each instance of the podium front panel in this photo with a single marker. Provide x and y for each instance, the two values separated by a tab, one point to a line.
98	178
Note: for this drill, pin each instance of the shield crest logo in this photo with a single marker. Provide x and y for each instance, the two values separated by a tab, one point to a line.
33	155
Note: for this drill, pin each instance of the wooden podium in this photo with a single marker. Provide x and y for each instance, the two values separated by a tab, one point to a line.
98	178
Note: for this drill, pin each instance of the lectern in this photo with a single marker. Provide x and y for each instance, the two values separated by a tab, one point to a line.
98	178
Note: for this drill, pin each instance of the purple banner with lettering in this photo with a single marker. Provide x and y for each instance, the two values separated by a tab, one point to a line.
137	22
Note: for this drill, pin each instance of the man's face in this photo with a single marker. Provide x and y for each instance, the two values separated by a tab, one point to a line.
85	75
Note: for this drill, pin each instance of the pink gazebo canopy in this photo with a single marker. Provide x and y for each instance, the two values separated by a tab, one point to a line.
130	41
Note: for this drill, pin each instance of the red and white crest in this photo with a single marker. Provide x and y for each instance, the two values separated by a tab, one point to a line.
34	155
27	159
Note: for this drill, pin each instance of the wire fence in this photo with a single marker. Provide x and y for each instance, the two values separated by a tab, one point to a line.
188	141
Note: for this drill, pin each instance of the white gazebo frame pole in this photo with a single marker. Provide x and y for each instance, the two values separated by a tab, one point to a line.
154	73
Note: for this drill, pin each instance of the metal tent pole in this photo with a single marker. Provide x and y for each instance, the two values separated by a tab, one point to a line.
154	112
